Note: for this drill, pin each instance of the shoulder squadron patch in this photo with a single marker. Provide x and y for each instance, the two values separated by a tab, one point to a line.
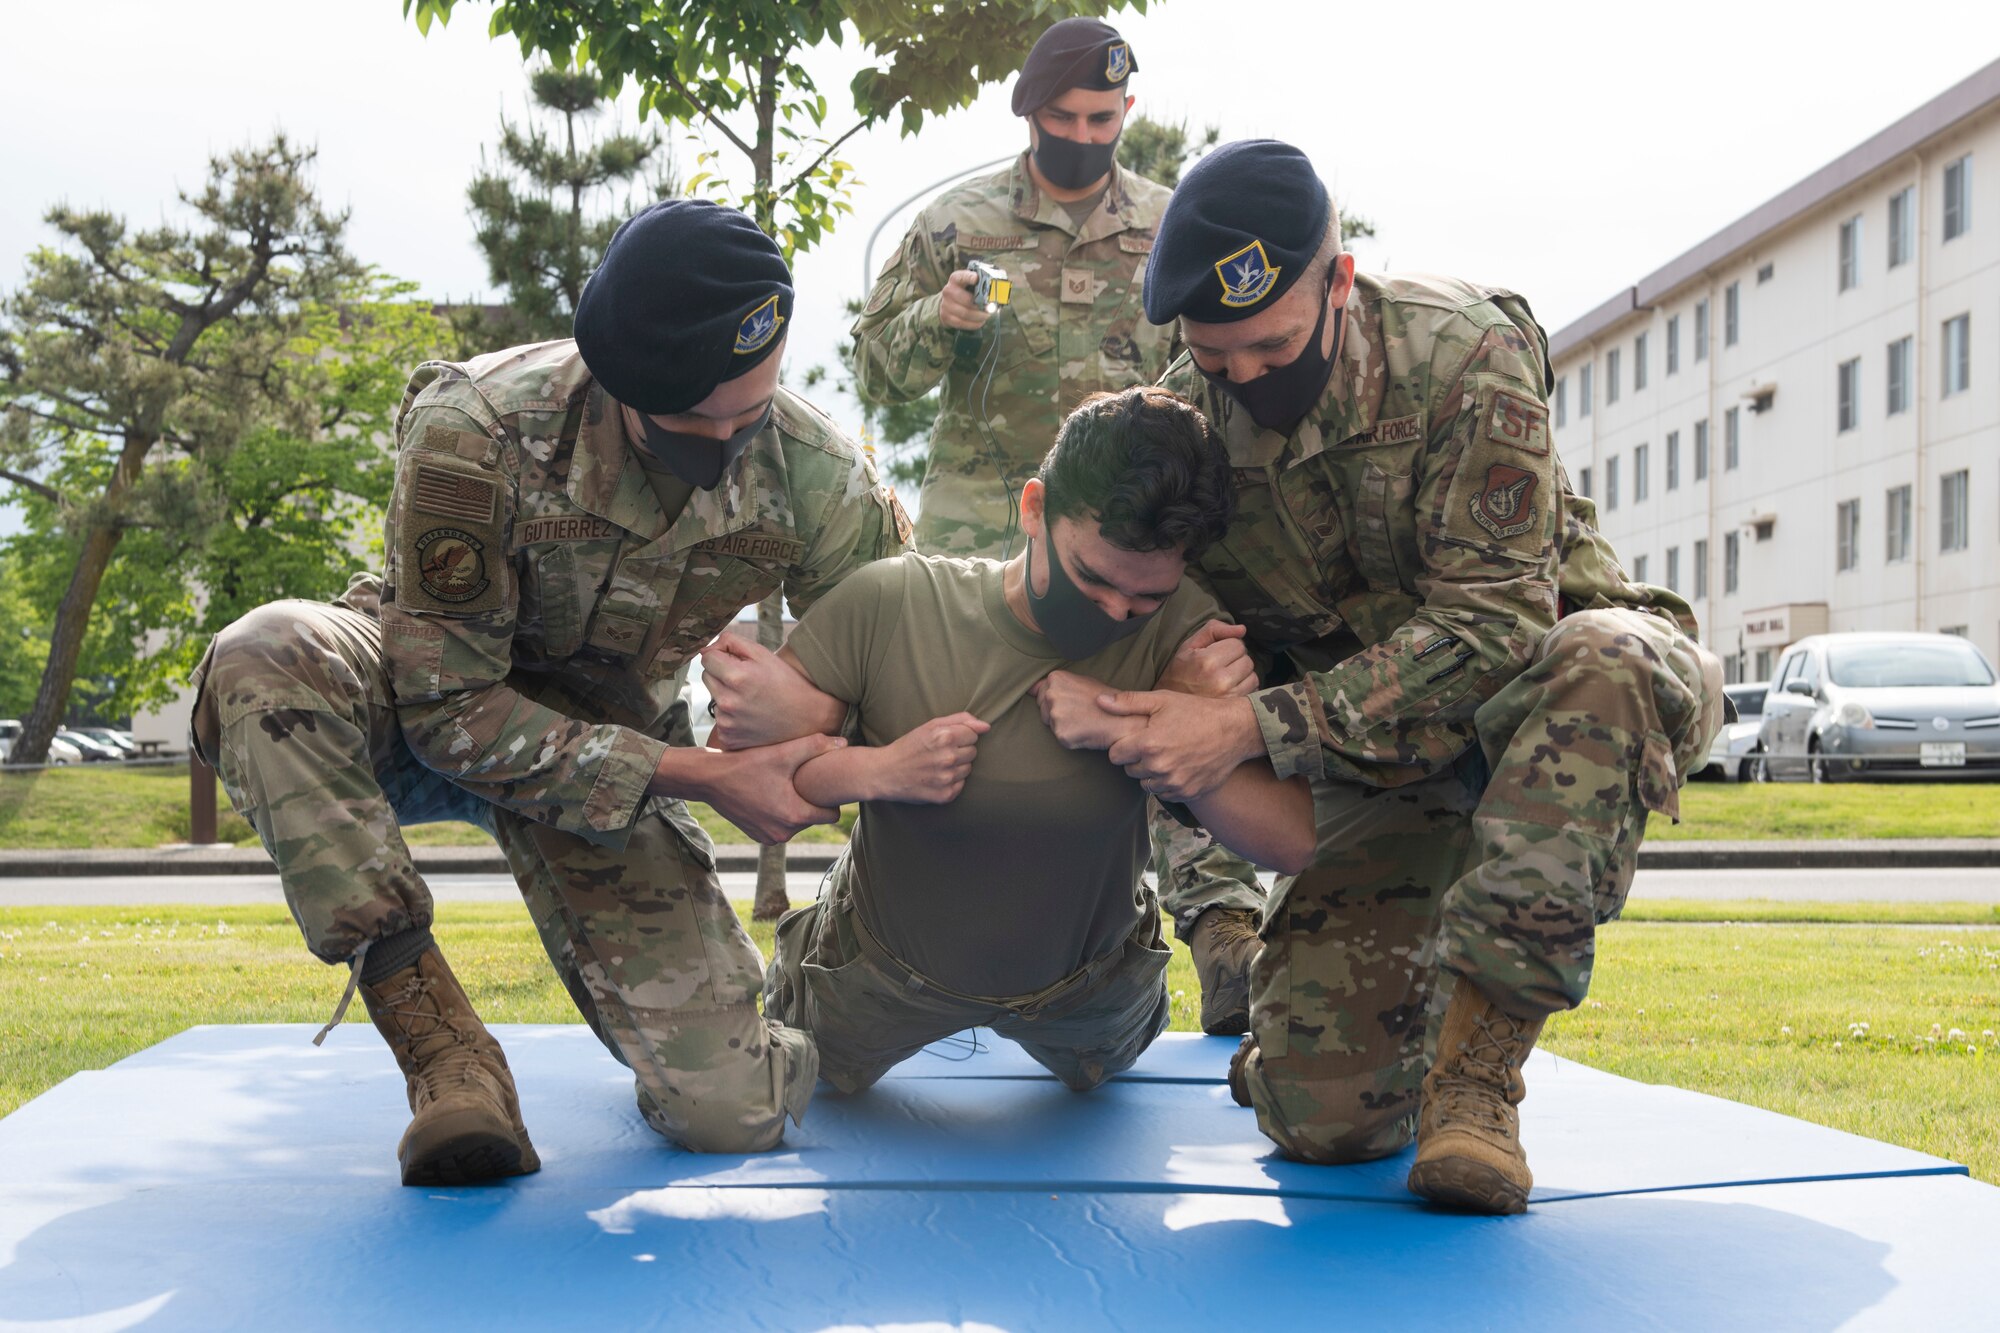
450	493
451	565
1247	276
1505	505
902	516
1518	422
758	327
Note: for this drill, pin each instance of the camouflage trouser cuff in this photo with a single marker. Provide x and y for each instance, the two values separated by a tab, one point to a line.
386	957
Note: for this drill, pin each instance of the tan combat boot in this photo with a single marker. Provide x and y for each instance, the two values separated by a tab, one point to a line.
467	1126
1223	943
1468	1133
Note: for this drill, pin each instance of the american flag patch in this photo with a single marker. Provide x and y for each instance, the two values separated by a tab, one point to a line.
453	495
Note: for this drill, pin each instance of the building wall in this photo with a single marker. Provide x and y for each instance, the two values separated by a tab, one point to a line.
1796	466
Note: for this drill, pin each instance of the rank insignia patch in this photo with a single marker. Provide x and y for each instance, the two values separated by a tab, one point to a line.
1505	505
758	327
451	565
1247	276
1117	62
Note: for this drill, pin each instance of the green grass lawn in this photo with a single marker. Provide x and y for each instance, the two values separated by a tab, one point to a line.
110	805
1743	811
1882	1030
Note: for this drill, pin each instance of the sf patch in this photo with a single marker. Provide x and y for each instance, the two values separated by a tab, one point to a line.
758	327
1514	421
1505	504
451	565
1247	276
1117	62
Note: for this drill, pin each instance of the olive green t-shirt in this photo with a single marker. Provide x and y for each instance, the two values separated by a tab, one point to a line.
1033	871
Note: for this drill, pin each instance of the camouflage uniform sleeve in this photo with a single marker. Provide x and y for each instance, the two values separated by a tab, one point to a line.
1485	494
859	520
448	620
901	351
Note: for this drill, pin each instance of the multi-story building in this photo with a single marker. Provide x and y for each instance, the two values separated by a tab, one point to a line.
1797	422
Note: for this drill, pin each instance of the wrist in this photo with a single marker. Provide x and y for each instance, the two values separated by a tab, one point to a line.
1248	734
688	775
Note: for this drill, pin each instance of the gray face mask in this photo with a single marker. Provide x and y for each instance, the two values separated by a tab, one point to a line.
1076	626
698	460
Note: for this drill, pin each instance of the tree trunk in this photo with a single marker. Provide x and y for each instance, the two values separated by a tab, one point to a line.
38	728
772	899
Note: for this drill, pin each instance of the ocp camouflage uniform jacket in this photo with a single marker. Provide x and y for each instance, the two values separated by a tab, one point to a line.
1400	550
1075	326
539	604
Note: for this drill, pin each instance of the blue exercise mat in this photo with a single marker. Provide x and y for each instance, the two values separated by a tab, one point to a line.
239	1177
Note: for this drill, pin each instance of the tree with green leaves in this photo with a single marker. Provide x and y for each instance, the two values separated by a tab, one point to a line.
542	214
190	414
735	70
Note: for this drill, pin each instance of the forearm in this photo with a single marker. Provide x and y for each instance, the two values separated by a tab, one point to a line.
840	777
1262	817
1197	873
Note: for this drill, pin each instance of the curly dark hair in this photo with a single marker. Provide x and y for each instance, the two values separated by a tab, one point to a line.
1145	465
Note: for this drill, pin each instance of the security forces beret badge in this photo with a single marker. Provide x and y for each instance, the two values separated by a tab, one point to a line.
451	565
1117	62
1505	504
1247	276
758	327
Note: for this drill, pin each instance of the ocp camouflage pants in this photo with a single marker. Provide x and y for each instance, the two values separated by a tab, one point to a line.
868	1012
293	709
1501	879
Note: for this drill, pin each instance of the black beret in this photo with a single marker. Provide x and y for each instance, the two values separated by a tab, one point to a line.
690	294
1238	231
1075	53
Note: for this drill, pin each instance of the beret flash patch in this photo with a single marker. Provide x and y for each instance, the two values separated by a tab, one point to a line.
1247	276
758	327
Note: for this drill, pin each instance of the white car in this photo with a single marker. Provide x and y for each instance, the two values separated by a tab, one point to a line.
60	751
1731	757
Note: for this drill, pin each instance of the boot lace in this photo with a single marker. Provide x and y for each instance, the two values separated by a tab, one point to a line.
1478	1095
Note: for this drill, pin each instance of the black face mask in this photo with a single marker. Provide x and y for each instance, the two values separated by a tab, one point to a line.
698	460
1075	625
1279	398
1069	165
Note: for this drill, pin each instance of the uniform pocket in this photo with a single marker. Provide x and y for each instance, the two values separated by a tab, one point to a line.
1656	783
1384	540
557	591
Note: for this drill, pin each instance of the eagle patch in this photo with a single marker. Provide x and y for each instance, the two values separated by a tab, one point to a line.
758	327
451	565
1117	62
1505	505
1247	276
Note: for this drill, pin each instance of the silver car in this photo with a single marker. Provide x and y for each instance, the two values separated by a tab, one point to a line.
1733	756
1881	705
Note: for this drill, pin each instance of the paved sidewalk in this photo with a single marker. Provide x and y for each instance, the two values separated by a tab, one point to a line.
814	858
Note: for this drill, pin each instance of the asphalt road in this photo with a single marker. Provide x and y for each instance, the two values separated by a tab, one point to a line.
1919	886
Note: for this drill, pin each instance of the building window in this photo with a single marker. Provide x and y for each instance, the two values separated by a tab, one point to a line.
1732	438
1952	534
1958	198
1611	377
1732	313
1583	390
1562	402
1956	631
1611	482
1850	253
1583	483
1764	663
1673	460
1673	344
1849	376
1899	376
1638	569
1701	450
1638	363
1896	524
1701	568
1701	329
1902	225
1957	354
1642	481
1732	672
1847	535
1673	569
1732	549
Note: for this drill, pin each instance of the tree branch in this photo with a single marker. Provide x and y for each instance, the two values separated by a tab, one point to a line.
48	493
793	183
674	82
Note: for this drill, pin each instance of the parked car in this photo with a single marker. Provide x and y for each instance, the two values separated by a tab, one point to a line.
111	736
1881	705
94	750
1730	758
60	750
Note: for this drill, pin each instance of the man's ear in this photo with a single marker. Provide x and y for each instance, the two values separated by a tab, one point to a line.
1033	495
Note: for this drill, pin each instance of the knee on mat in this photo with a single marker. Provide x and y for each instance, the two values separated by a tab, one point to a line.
1326	1122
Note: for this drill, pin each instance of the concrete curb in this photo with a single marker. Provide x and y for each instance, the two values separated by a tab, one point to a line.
1845	854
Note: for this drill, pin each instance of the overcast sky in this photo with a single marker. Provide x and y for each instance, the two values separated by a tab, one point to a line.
1560	149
